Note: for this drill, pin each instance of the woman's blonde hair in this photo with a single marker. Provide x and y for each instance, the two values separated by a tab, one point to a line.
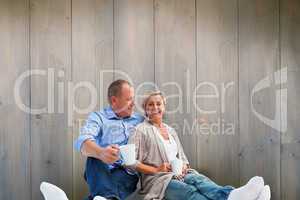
151	94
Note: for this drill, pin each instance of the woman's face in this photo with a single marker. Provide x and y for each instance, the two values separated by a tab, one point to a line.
155	108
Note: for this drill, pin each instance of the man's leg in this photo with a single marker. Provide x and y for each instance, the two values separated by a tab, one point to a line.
99	179
125	182
207	187
178	190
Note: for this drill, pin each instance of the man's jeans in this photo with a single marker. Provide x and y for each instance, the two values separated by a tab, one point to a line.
196	187
112	184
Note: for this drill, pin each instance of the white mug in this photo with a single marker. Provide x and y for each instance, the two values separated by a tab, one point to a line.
128	154
177	166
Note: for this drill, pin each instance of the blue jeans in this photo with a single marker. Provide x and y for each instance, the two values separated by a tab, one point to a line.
113	184
196	187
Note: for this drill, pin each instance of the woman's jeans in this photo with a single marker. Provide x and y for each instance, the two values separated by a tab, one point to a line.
196	187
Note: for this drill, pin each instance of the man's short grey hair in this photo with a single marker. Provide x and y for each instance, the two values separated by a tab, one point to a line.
115	88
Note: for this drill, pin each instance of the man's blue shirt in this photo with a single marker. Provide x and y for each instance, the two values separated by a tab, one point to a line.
105	128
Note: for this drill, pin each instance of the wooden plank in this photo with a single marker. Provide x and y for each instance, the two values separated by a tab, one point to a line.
290	61
134	45
217	75
258	50
92	43
51	54
175	67
14	123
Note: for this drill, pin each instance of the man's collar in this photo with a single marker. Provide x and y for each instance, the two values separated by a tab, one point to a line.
110	114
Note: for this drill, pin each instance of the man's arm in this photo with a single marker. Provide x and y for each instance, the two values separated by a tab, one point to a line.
108	155
86	141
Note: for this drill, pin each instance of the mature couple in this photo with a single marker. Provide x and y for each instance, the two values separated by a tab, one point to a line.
156	144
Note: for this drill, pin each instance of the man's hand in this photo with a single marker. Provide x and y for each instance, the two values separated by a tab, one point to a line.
109	154
165	167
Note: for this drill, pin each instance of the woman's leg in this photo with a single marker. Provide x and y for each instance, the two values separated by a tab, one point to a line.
178	190
207	187
250	191
212	191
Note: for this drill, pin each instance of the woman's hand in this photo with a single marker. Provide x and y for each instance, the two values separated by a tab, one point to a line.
165	167
185	169
184	172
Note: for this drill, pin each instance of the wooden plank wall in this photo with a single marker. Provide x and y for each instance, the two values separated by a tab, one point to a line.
14	124
217	74
50	52
258	59
238	59
134	44
290	60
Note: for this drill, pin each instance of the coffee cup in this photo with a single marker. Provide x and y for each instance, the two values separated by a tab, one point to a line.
128	154
177	166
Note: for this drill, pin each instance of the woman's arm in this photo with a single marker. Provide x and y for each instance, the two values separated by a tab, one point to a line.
147	169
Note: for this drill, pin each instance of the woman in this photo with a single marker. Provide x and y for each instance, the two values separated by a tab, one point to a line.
157	145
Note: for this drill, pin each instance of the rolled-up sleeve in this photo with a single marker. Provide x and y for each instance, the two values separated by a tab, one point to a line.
89	131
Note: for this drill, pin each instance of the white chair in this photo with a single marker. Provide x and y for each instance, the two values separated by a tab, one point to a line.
52	192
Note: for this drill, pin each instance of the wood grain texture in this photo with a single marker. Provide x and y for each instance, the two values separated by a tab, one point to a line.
92	53
14	123
259	50
134	45
175	67
217	75
51	139
290	60
224	47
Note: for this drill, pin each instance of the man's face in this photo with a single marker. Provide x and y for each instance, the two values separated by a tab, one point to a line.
124	103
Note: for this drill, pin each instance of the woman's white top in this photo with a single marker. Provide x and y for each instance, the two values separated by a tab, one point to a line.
170	147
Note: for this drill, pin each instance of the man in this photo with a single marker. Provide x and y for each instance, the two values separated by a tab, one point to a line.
100	139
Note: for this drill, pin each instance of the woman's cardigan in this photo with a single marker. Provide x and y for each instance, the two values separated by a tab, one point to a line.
150	150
